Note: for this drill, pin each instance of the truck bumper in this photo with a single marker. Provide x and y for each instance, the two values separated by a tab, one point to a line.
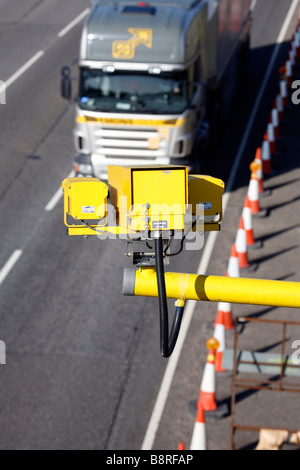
95	165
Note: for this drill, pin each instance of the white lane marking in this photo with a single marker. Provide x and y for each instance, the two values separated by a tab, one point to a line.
9	265
253	5
208	250
287	21
57	196
7	83
73	23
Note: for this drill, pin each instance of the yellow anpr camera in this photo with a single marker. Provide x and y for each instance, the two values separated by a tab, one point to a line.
144	200
85	198
150	204
149	198
153	206
205	199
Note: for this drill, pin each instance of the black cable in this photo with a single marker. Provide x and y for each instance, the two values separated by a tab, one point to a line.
181	243
169	255
175	329
167	343
93	228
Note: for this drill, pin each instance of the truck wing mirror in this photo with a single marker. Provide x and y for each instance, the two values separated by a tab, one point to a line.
197	86
66	83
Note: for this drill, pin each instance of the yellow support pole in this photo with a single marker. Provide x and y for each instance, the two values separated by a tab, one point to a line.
215	288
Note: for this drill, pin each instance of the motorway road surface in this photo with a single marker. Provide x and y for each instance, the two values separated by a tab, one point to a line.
83	365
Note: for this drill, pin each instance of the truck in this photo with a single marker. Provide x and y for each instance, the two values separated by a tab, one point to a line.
156	79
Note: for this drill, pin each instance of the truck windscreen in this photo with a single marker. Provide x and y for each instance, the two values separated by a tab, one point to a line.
133	92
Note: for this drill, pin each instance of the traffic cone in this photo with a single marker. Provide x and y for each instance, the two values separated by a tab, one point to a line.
233	269
270	136
253	192
282	73
296	45
225	308
220	336
266	158
198	441
248	225
280	108
283	92
207	395
290	63
181	446
274	120
241	248
259	171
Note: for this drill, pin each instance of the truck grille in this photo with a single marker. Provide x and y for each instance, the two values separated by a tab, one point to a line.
117	143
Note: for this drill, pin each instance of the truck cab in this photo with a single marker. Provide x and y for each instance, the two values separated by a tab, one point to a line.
146	75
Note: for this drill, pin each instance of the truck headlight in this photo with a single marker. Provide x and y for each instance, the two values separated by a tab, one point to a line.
85	169
83	165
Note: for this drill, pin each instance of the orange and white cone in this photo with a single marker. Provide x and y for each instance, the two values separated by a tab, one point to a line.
266	157
291	63
248	225
289	69
283	92
296	45
280	108
220	336
198	441
259	170
207	395
253	192
225	309
241	248
270	136
233	269
274	120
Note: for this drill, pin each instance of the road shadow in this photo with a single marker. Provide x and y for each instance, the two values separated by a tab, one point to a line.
262	259
269	236
233	128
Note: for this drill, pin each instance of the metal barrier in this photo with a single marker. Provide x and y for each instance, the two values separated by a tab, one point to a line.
243	361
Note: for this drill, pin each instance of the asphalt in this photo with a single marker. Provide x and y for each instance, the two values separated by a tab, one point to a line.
277	259
83	365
